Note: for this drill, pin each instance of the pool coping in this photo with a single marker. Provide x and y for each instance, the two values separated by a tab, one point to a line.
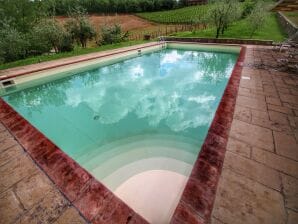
98	204
101	55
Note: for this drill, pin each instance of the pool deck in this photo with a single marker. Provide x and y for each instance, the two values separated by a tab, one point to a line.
259	180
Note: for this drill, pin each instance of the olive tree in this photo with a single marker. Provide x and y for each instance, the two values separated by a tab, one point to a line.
49	34
257	18
222	13
80	27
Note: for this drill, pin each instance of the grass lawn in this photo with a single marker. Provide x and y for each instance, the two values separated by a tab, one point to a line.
270	31
77	51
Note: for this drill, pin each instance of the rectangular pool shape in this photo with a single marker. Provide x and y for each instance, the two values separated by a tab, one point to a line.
137	123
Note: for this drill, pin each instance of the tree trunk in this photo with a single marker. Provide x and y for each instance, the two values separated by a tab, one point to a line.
217	32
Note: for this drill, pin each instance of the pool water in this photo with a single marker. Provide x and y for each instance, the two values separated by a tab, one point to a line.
136	125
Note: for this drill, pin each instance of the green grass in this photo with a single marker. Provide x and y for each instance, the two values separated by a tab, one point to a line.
77	51
183	15
270	31
293	16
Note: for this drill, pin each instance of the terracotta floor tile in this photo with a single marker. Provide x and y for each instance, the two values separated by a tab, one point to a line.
290	190
253	170
15	170
10	207
280	109
2	127
7	143
278	117
275	161
242	114
32	189
273	100
260	114
272	125
251	103
292	217
10	153
252	134
241	200
4	135
239	147
289	98
47	211
286	145
71	216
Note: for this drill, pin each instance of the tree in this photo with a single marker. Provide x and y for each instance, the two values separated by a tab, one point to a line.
20	14
49	34
13	44
222	13
248	6
80	27
257	18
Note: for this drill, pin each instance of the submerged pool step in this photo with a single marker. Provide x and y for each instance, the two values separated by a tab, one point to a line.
99	155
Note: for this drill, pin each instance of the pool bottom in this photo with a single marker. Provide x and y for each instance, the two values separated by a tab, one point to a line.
147	172
81	188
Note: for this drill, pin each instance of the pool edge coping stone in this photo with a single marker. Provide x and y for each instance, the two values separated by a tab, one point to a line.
79	186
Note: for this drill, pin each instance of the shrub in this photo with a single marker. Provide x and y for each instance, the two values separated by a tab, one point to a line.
66	43
112	34
13	44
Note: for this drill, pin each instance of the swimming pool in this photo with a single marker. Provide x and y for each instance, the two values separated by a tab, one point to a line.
137	124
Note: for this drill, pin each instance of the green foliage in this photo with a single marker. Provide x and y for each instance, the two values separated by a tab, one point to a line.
20	14
270	31
248	6
13	44
61	7
46	35
256	19
80	28
112	34
222	13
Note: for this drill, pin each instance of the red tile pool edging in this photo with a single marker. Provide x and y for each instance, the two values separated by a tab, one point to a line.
196	203
98	204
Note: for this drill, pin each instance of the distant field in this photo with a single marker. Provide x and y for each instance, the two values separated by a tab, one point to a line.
183	15
127	22
135	25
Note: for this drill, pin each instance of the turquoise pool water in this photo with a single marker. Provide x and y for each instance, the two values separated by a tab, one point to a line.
148	113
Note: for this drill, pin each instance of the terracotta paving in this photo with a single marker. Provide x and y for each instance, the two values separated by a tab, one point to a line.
259	180
26	193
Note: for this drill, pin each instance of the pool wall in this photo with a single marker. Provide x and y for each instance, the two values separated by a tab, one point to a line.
98	204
